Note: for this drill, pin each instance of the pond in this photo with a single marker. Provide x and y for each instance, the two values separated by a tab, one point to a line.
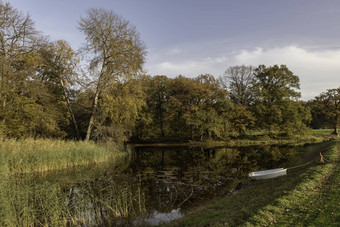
150	186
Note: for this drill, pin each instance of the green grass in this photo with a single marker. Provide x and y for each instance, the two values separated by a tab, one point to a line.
302	198
32	156
329	211
261	138
253	138
321	132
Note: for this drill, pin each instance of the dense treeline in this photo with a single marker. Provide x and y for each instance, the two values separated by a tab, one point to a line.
183	107
200	107
47	89
326	110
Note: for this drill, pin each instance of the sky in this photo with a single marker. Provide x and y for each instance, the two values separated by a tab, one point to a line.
193	37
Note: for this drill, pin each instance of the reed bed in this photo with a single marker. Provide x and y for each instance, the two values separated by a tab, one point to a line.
35	156
28	200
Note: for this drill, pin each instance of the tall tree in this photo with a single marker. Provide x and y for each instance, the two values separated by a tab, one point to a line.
18	38
211	103
276	104
28	107
327	104
237	80
275	83
118	110
240	119
116	51
59	67
196	107
158	99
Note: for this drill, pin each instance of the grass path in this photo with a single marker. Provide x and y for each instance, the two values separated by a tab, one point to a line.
330	214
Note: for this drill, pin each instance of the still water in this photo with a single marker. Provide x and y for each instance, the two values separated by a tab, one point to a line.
175	180
151	185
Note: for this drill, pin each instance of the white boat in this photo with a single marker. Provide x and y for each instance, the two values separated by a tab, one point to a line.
266	174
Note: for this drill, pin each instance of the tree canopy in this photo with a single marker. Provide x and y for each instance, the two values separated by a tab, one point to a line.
327	107
29	104
238	81
116	53
276	107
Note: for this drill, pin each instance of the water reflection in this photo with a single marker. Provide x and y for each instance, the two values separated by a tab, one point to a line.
152	185
157	218
181	178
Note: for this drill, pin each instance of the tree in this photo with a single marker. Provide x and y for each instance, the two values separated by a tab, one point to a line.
319	119
28	106
182	101
184	108
158	98
211	101
240	120
196	107
116	52
58	67
18	39
237	80
276	105
275	83
118	110
327	104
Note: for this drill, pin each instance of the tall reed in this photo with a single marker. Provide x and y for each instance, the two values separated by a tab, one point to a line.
28	200
29	155
24	201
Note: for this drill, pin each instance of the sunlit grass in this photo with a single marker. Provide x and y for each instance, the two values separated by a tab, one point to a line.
322	132
261	138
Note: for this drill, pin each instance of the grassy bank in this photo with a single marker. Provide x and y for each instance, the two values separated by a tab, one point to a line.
303	197
252	139
261	138
31	156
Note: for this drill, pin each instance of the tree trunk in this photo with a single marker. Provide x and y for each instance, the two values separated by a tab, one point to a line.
3	72
94	107
335	130
70	110
161	121
336	123
95	101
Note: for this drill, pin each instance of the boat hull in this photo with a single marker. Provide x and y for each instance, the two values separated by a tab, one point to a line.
267	174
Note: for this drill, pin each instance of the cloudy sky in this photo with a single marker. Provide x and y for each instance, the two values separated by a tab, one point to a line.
191	37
